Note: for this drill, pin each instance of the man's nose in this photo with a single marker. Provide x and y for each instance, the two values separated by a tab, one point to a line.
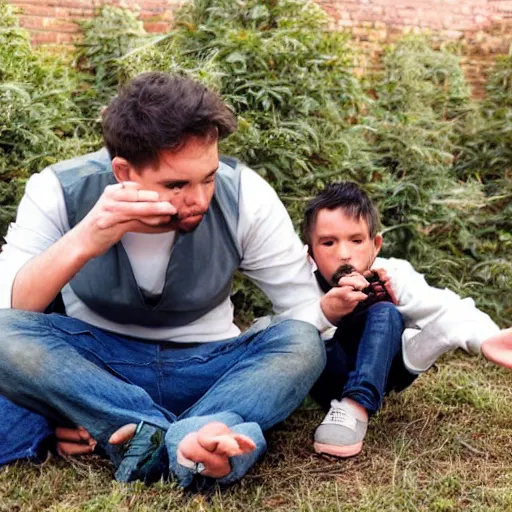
198	198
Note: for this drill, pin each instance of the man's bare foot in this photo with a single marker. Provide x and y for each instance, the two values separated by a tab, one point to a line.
74	441
212	446
498	348
124	434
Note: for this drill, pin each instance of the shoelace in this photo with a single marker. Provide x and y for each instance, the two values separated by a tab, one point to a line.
340	417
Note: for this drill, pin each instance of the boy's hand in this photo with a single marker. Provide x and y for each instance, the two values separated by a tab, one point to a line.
343	299
385	281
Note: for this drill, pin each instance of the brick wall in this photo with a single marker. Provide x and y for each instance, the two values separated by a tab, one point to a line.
483	26
51	21
452	17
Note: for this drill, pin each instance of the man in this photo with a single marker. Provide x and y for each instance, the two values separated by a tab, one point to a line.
142	241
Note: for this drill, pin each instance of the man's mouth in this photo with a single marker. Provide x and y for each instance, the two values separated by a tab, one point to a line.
176	217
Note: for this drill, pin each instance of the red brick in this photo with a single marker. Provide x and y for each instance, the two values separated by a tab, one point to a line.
44	37
452	15
33	22
64	26
157	26
39	10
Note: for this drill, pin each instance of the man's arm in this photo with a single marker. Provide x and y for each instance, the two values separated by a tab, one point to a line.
42	254
40	280
275	259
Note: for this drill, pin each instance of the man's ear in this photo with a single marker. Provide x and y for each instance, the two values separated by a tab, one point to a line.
377	244
122	169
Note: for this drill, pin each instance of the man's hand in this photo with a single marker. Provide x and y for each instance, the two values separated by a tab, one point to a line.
343	299
122	208
498	348
74	441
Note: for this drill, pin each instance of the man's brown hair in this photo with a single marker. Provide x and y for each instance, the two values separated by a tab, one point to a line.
157	111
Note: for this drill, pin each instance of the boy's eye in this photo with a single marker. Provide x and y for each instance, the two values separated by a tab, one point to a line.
328	244
357	241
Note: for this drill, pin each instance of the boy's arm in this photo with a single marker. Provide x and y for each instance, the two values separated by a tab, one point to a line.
446	321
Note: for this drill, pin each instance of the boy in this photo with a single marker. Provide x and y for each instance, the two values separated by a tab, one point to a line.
370	353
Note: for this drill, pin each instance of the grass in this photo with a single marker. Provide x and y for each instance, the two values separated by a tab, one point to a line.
443	445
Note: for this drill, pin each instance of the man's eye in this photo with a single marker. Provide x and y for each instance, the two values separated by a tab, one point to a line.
328	244
174	186
357	241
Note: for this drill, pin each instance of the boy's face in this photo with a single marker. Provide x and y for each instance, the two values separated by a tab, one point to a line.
338	239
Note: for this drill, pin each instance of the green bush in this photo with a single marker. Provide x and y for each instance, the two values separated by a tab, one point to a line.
485	155
109	35
437	164
440	222
39	120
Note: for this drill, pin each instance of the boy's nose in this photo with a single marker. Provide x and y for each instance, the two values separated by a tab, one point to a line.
344	254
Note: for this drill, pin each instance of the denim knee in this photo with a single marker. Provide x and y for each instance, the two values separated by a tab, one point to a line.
18	319
306	350
387	312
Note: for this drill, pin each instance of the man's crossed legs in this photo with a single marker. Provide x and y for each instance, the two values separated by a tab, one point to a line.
217	396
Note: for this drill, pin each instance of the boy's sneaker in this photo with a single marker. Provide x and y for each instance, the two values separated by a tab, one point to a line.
145	457
340	434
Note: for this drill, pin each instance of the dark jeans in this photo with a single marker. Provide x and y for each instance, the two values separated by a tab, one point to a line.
364	359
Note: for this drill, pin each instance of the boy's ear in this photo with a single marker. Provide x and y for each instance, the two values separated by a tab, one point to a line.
309	254
377	243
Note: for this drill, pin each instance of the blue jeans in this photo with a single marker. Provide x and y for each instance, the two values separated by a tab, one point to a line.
364	359
62	371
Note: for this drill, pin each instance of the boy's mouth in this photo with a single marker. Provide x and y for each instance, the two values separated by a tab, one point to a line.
342	270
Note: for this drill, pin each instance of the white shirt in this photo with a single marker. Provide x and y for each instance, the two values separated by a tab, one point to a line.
273	258
436	320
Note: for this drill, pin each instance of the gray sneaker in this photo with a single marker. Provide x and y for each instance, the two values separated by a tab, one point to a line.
340	434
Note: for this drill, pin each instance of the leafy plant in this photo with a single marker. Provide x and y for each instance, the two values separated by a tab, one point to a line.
436	163
39	120
109	35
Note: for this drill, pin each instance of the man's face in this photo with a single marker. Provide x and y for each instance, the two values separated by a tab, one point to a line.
338	239
185	178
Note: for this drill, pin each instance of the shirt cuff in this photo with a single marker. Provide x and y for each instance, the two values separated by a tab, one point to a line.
311	313
8	273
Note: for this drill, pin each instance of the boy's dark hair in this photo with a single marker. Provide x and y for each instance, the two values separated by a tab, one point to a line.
157	111
348	196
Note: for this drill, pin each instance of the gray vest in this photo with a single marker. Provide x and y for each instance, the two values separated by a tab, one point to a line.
200	271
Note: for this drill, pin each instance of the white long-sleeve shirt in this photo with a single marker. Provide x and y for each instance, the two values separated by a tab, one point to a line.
436	320
273	258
